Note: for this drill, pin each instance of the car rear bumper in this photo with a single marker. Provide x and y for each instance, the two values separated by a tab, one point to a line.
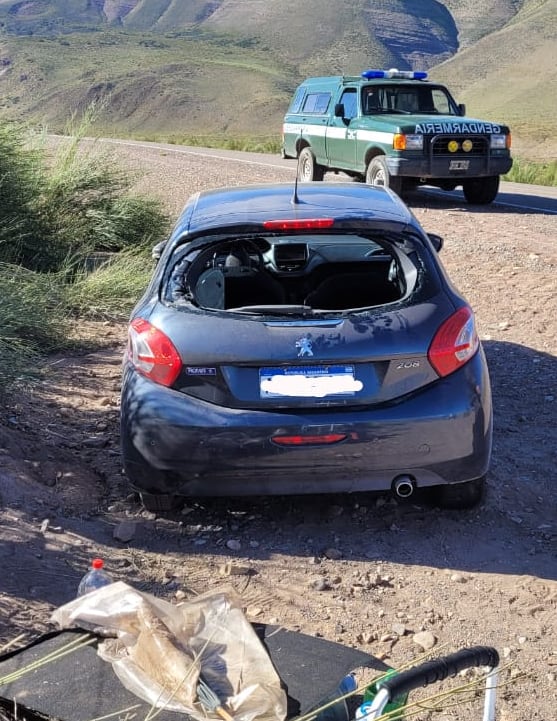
175	444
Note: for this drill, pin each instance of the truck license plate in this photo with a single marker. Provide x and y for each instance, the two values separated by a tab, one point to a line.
459	164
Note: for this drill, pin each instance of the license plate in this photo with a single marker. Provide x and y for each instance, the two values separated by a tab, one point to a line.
308	382
459	164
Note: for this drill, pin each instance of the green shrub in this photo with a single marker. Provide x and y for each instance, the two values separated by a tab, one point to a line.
33	319
524	171
20	183
33	306
74	202
133	221
270	144
112	289
86	206
58	213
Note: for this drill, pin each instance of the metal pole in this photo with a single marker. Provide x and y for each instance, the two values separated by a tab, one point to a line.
490	694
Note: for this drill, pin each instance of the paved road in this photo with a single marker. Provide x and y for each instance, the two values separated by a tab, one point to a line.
517	195
538	198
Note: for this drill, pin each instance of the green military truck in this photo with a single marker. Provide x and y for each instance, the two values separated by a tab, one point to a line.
394	128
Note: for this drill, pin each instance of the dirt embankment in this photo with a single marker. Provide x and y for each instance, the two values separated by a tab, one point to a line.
356	569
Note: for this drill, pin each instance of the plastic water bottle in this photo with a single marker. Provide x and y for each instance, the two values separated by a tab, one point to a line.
95	578
396	704
339	710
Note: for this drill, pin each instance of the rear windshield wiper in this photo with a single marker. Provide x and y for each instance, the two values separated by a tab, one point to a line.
273	309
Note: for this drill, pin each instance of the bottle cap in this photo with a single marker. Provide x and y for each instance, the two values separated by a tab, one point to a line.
363	710
97	563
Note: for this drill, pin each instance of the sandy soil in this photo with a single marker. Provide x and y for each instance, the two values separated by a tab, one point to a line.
360	570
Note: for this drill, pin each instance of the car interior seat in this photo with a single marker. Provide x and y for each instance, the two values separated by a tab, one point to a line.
352	290
407	102
372	104
258	288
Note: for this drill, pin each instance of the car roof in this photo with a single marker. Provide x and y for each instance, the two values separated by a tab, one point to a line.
252	205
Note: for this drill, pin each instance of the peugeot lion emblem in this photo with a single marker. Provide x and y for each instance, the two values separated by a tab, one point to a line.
304	344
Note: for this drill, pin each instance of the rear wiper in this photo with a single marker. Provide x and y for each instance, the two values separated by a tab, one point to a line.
274	309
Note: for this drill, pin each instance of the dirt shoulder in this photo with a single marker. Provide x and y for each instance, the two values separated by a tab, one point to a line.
357	569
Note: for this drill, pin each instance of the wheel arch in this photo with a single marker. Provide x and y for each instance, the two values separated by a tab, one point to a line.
372	152
301	143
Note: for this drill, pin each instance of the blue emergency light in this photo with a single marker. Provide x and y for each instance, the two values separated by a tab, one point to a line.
394	73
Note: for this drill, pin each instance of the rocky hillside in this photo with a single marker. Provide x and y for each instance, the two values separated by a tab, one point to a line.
407	33
510	73
176	68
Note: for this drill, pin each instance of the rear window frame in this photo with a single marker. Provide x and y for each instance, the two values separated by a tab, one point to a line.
404	247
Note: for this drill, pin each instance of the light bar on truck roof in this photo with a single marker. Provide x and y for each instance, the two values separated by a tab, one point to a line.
394	73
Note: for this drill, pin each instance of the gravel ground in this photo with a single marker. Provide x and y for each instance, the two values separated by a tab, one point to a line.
359	569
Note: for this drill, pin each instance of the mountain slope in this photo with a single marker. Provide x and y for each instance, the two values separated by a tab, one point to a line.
143	86
510	75
174	67
323	35
475	19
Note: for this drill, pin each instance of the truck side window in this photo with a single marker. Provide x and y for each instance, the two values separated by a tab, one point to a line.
350	101
296	103
316	103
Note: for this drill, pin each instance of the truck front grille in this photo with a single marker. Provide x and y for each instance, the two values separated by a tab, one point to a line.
440	145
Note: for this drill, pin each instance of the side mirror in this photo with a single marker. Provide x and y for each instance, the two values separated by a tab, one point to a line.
462	109
157	250
436	240
339	110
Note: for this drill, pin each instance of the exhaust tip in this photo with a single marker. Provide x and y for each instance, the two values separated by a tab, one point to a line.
403	486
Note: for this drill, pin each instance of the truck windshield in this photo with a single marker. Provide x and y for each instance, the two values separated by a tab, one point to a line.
407	99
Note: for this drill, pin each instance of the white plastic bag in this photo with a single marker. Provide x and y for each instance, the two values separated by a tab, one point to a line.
159	651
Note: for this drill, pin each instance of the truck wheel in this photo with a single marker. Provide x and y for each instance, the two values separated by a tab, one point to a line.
377	173
481	191
308	169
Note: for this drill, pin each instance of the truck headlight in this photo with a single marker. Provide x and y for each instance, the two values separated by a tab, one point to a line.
408	142
498	142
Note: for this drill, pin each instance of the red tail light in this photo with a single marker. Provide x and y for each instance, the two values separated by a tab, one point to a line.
309	440
152	353
455	342
303	224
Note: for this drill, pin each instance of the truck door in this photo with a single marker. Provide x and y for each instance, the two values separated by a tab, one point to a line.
340	138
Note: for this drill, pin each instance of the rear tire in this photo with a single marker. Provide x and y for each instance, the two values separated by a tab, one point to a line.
459	495
308	169
140	475
160	502
377	173
481	191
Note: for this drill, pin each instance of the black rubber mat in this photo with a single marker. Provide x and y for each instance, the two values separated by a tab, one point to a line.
80	686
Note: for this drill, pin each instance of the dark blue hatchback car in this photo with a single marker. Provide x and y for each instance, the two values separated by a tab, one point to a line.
303	340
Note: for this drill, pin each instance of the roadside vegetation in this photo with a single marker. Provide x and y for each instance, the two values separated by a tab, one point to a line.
269	144
74	243
524	171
